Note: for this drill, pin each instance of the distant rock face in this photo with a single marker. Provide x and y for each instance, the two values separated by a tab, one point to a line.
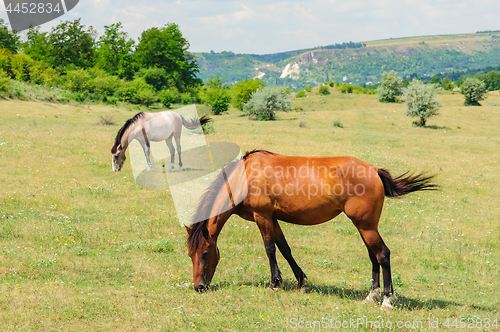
291	71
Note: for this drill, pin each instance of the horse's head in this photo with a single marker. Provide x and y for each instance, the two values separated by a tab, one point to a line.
117	158
205	257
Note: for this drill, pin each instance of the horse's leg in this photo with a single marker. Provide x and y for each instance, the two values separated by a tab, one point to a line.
382	254
172	152
145	148
285	250
266	230
374	295
177	136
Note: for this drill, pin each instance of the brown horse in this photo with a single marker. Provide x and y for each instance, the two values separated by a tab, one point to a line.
302	191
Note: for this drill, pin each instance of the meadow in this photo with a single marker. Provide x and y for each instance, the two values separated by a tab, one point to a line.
84	248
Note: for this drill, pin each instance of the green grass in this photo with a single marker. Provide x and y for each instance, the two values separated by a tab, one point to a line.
82	247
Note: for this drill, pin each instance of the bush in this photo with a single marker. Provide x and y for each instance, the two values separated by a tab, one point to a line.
266	101
474	91
186	98
421	101
20	65
307	88
156	77
106	86
4	81
130	90
324	90
390	88
338	124
242	90
146	96
301	94
331	83
77	80
216	95
346	88
168	97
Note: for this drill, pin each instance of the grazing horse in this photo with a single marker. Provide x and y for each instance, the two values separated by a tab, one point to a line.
302	191
146	127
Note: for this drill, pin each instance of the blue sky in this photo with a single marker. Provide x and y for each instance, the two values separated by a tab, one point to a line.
267	26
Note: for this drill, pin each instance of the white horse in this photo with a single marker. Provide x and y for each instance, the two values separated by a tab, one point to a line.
155	127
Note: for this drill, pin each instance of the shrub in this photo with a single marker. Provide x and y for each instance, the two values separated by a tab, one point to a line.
242	90
106	86
266	101
168	97
324	90
156	77
20	65
347	88
216	95
77	80
474	91
301	94
421	101
331	83
4	81
307	88
390	88
186	98
146	96
129	91
338	124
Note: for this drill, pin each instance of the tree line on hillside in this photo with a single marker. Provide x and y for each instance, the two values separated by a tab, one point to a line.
109	67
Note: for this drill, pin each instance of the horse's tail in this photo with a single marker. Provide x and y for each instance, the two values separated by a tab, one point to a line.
195	123
405	183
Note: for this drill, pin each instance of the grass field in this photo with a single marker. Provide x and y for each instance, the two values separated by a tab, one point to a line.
83	248
435	39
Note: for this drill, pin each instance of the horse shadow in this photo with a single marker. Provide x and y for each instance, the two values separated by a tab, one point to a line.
402	302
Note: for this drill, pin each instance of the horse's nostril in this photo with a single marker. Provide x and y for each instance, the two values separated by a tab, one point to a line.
201	288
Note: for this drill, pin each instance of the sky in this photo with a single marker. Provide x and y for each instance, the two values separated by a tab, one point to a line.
267	26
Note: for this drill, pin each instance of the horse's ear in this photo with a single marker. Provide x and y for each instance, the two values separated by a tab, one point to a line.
189	230
119	147
204	230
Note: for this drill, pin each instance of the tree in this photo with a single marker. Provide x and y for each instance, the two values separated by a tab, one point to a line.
474	91
436	80
421	101
266	101
216	95
242	90
114	52
492	80
37	44
71	44
390	87
9	40
447	84
323	90
166	48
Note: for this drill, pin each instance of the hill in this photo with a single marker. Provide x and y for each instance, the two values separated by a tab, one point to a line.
423	56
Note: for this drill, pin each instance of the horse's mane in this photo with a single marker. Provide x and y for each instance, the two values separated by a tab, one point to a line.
122	130
207	201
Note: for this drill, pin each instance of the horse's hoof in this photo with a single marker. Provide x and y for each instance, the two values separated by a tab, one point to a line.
304	289
386	304
148	169
180	169
373	297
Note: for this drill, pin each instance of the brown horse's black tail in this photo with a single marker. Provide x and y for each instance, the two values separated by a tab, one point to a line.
195	123
405	183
